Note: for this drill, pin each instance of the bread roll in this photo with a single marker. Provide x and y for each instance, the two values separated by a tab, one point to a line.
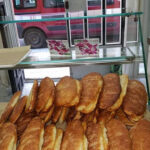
134	104
91	88
10	106
140	134
111	91
49	137
18	109
96	136
63	115
22	122
118	136
68	92
56	114
8	137
124	84
32	138
46	95
58	141
32	98
73	137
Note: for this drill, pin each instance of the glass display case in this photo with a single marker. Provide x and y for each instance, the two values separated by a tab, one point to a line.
123	50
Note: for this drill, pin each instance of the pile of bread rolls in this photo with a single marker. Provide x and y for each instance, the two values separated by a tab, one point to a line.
96	113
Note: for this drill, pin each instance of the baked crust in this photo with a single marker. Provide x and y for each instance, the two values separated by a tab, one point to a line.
56	114
8	136
111	91
30	105
94	136
135	101
140	134
105	116
63	115
124	83
32	137
73	136
92	84
68	92
23	121
10	106
120	114
46	95
18	109
58	141
46	116
118	135
49	137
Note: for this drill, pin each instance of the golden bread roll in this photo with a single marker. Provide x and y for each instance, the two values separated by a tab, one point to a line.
92	84
10	106
58	141
8	137
140	134
124	85
63	115
33	136
56	114
23	121
46	116
96	137
120	115
105	116
46	95
111	91
134	104
118	135
18	109
73	137
49	137
32	98
68	92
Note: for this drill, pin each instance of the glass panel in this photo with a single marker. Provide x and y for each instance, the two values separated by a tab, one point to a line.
21	4
132	29
106	55
77	30
113	24
94	26
141	68
53	3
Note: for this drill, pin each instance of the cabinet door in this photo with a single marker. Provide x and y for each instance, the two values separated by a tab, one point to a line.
17	79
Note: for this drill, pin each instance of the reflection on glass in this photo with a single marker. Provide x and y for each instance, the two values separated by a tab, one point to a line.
36	33
76	26
94	26
113	24
132	29
113	29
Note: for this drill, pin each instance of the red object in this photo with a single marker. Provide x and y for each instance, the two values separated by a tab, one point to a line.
30	9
